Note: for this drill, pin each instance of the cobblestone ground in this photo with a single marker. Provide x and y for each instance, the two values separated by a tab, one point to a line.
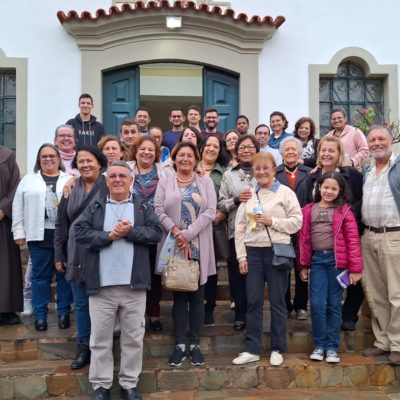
367	393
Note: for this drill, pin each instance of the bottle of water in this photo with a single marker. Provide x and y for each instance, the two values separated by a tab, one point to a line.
258	210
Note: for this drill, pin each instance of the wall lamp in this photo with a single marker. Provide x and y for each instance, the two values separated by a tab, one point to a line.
173	22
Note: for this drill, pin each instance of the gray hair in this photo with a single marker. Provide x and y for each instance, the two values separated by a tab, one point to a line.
299	145
64	126
122	163
380	128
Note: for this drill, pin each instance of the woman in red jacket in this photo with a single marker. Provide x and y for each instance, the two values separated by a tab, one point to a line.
328	244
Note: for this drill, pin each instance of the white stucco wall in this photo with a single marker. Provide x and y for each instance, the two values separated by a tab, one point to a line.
313	32
31	30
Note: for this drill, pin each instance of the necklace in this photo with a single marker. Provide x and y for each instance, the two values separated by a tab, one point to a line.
205	169
292	173
116	206
184	180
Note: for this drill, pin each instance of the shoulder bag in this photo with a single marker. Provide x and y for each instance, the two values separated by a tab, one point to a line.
181	275
283	254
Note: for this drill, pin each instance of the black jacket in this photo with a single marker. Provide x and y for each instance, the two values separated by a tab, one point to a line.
63	223
86	132
90	235
303	186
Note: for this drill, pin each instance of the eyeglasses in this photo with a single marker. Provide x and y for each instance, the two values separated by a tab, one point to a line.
233	139
120	176
177	116
248	147
50	156
65	136
262	133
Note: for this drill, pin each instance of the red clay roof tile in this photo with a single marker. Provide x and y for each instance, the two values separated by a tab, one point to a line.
190	5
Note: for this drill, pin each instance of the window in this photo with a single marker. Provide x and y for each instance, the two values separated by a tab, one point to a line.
7	108
349	90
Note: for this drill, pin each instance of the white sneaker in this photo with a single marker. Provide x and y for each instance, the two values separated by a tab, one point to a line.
332	356
276	359
28	309
245	358
233	305
317	354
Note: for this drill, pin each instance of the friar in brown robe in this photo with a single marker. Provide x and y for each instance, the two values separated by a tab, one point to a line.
11	298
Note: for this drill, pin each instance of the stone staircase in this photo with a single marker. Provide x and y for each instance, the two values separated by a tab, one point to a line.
36	364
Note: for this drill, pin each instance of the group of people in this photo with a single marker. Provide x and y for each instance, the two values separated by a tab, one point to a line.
97	210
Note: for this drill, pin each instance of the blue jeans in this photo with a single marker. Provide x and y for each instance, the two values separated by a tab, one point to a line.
261	270
42	273
325	300
82	315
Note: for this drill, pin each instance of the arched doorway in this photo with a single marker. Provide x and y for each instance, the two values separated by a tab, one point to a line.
131	34
160	86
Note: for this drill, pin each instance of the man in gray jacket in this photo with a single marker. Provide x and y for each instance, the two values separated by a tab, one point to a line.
116	232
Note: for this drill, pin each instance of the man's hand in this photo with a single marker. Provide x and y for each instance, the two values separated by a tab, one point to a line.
1	215
120	230
20	242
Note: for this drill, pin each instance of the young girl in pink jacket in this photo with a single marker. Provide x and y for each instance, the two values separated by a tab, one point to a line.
328	244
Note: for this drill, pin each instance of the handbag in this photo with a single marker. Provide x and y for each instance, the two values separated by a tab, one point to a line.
181	275
283	254
166	253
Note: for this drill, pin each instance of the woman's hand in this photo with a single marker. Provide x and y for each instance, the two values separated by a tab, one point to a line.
354	277
304	275
1	215
263	219
186	250
69	186
60	266
20	242
243	267
245	196
219	217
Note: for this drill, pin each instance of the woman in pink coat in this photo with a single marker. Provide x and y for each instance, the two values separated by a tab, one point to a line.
328	244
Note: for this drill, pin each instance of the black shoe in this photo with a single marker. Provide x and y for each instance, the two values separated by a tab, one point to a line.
130	394
348	326
64	321
177	357
101	394
82	357
10	318
239	326
41	325
209	318
196	357
156	325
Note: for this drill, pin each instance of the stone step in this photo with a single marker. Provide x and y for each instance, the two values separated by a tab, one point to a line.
32	379
23	342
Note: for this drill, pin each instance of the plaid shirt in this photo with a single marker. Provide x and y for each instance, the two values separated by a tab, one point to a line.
378	206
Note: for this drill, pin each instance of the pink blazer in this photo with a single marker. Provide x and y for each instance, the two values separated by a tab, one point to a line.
167	205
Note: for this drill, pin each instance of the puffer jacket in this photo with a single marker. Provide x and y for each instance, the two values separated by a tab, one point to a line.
347	245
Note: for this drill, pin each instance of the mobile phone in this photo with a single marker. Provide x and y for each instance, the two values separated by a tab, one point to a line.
344	279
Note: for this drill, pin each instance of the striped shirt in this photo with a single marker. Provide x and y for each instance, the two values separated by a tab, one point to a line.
378	205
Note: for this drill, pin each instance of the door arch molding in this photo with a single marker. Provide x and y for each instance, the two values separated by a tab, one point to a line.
136	34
